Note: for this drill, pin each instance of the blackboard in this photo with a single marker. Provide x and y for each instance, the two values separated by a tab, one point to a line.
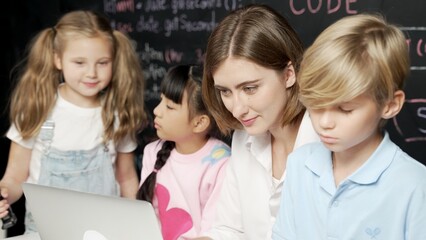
168	32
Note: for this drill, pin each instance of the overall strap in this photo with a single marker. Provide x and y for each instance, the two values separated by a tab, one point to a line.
46	134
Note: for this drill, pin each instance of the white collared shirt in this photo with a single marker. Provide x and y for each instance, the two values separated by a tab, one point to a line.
250	196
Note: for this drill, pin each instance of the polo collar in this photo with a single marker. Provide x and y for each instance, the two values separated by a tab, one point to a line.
320	163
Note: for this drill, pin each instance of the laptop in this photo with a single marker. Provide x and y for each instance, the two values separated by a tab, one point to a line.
72	215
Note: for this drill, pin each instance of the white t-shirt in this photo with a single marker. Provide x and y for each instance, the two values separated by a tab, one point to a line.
76	128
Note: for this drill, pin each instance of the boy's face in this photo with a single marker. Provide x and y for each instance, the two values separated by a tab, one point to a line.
350	127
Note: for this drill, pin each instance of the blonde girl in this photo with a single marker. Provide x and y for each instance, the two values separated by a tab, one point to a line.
75	112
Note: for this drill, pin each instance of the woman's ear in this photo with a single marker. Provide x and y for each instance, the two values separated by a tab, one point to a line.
289	75
201	123
57	61
393	106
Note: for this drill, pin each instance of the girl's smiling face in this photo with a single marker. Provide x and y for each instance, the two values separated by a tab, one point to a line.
86	64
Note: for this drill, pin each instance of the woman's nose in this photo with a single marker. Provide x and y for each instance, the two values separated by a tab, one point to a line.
239	106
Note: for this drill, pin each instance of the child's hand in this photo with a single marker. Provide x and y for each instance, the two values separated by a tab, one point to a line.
6	214
4	205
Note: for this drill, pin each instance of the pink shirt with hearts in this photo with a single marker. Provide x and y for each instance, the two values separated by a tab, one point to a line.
188	187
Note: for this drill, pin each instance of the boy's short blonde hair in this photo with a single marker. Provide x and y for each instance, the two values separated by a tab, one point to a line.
359	54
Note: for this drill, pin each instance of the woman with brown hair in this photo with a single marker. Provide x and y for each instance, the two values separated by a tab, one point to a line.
250	88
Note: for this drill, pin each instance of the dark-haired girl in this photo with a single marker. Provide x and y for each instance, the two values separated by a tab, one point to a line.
182	171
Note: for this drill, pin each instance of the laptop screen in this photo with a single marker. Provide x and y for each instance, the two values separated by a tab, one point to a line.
72	215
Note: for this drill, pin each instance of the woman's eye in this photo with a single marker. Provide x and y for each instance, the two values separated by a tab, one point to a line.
250	89
169	107
224	92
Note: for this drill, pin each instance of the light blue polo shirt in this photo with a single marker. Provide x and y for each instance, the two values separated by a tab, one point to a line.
385	199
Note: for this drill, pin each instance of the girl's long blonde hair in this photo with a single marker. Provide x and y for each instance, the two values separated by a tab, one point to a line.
35	93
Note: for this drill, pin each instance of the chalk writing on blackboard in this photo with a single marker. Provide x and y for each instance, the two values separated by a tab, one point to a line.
314	6
417	43
167	32
166	26
414	110
119	6
114	6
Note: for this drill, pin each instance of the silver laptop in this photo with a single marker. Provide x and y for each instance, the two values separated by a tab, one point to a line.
62	214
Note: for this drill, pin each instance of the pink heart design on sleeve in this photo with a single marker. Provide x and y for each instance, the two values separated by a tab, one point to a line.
174	221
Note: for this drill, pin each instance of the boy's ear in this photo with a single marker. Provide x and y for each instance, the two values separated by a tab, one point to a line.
393	106
57	61
289	75
201	123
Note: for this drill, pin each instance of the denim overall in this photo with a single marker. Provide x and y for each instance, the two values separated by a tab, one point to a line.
82	170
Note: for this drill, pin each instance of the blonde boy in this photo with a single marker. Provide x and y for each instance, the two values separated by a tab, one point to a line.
356	184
